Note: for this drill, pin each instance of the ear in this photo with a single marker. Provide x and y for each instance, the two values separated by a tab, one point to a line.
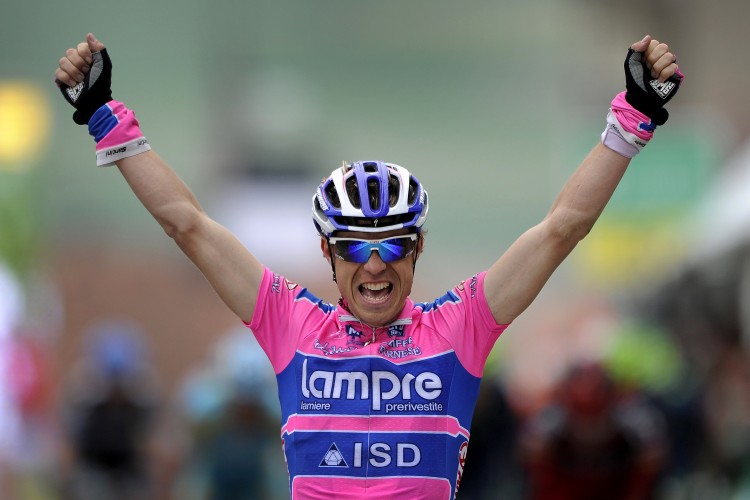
325	249
420	244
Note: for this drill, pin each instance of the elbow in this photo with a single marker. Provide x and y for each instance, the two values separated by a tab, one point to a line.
569	227
181	222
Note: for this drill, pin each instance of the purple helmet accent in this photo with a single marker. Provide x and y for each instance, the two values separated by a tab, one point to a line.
369	196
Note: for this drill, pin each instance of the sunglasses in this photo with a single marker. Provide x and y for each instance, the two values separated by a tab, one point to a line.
359	251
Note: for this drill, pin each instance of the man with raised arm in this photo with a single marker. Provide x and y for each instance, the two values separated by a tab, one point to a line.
377	392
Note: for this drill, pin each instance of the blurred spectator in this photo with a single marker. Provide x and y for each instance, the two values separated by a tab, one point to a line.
236	454
593	442
30	386
12	304
727	410
681	405
232	412
494	471
110	402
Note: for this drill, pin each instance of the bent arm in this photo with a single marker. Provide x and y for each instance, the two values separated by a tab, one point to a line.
515	280
233	272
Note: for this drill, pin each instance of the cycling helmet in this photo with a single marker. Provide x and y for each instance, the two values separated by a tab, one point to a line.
369	196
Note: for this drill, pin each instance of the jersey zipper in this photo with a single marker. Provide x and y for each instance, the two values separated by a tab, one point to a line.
349	318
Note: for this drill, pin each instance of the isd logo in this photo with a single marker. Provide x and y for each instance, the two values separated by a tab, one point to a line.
333	458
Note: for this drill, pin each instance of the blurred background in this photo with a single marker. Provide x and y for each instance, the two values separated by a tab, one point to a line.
122	375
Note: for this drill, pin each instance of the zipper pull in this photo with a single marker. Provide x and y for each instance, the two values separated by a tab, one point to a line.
373	337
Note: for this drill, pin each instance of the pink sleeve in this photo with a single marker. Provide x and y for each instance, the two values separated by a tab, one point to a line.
467	323
279	320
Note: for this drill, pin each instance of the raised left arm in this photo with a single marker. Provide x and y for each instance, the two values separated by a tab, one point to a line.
518	276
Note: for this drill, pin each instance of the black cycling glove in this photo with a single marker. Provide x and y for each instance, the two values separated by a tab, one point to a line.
648	95
94	91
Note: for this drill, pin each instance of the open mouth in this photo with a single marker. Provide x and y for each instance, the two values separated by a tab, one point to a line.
376	292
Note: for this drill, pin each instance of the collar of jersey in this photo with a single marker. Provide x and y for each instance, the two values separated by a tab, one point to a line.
403	319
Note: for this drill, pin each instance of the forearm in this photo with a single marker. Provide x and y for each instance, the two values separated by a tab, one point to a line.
652	79
234	273
521	272
584	196
161	192
231	269
516	278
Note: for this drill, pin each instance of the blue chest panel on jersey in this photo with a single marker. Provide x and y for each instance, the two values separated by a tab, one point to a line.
366	416
447	298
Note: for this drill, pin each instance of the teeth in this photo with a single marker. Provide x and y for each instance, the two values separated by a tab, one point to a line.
375	286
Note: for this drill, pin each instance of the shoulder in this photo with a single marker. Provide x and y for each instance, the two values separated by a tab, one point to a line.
466	290
281	299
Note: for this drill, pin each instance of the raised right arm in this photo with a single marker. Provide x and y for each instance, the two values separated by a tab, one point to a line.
230	268
233	272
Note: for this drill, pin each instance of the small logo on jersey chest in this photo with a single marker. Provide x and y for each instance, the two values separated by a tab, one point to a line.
396	331
354	336
398	348
333	458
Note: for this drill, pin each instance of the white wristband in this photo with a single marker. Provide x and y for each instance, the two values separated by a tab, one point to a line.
107	157
619	140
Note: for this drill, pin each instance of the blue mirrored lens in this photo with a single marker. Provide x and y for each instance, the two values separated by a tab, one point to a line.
355	251
359	251
395	249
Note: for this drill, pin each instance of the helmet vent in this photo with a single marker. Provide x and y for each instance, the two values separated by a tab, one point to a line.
352	190
394	186
332	196
373	193
413	190
370	166
319	210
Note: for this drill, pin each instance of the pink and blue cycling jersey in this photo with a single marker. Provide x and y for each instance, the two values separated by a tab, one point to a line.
375	413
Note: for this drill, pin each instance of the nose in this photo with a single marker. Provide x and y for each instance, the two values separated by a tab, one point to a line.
374	264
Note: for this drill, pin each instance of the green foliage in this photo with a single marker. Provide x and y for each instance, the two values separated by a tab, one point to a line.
18	223
644	356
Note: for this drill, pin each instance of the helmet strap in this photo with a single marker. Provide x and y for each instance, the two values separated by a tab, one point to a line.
416	253
333	264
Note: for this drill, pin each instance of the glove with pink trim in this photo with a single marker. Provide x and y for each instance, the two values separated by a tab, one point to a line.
646	94
113	126
635	114
94	91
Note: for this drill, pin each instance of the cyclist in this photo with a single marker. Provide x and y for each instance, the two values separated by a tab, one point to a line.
376	392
